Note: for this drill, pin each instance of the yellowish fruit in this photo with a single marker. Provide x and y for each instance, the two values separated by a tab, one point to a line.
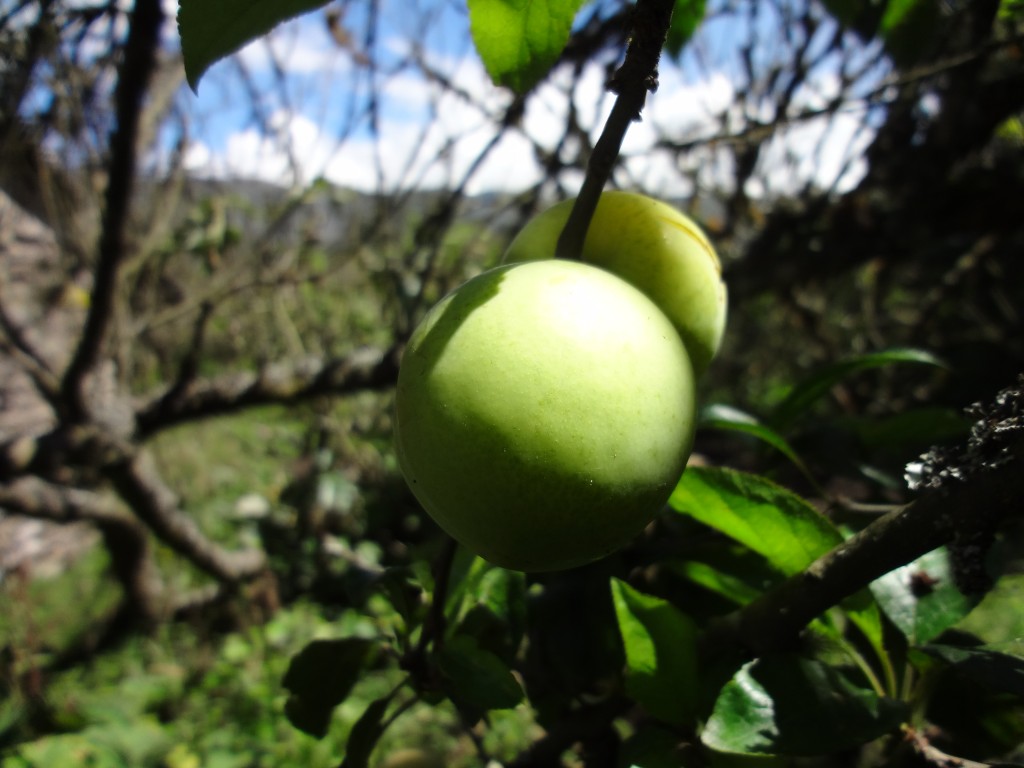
544	413
656	248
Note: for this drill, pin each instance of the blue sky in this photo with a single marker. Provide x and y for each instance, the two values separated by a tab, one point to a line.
320	121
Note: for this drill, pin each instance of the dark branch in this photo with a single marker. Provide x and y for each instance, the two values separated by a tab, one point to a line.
137	66
637	75
139	483
367	368
126	539
964	499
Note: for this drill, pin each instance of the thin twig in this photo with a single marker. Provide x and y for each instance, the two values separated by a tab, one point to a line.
637	75
936	756
434	626
364	369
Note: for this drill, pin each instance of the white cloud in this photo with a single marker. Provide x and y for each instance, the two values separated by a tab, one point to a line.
430	136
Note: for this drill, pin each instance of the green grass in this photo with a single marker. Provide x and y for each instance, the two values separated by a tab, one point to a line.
41	616
215	462
178	700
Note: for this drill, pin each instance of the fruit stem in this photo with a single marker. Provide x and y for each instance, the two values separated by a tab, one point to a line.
637	75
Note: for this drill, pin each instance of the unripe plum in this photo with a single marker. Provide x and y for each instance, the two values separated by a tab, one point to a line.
544	413
655	247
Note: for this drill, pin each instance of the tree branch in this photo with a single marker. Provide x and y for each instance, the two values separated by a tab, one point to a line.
967	493
139	483
126	539
637	75
367	368
18	347
136	68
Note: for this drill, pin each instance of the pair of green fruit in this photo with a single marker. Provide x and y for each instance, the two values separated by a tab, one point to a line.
545	409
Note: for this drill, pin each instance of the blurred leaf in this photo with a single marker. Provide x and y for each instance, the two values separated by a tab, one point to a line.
686	16
896	12
138	742
863	611
794	706
661	655
812	389
726	417
1009	9
998	618
917	427
519	40
126	701
997	666
772	521
651	747
499	590
336	493
320	677
213	29
475	677
907	26
709	577
403	590
921	599
493	609
366	733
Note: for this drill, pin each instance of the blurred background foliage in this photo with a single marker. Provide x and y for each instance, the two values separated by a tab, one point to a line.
920	248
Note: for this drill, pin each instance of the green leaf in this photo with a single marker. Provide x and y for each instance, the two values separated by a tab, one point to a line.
498	590
727	585
661	655
794	706
520	40
366	733
686	16
770	520
112	745
400	586
492	609
213	29
916	427
998	666
320	677
812	389
906	26
1010	9
921	598
998	618
475	677
726	417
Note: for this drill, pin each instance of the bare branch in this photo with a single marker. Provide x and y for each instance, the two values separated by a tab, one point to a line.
30	361
139	483
936	756
127	540
33	497
137	66
367	368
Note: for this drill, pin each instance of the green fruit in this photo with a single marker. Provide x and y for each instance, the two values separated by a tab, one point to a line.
544	413
656	248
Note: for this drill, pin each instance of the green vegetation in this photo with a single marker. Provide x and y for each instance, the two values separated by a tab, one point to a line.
836	577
